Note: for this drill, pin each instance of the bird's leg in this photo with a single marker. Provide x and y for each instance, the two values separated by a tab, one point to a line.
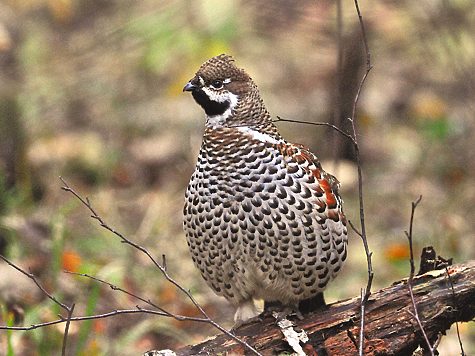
246	313
308	305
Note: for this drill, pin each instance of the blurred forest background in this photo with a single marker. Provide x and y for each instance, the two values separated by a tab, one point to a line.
91	90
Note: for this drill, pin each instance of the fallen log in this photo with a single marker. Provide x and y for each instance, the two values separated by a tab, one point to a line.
443	297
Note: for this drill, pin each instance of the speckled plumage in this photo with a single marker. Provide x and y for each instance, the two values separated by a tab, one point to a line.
263	220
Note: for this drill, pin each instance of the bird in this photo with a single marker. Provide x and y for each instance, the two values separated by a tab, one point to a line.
262	219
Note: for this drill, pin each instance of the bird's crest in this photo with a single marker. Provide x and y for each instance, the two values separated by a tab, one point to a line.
221	67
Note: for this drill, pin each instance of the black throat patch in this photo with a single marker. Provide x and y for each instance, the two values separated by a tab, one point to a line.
210	107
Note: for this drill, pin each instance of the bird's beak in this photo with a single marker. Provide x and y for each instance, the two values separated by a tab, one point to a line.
189	87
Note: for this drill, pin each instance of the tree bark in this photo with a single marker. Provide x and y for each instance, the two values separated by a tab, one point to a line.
442	298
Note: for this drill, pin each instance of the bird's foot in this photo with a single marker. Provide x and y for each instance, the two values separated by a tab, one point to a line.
280	311
240	323
287	311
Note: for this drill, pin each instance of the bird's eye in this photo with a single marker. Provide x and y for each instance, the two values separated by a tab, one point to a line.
217	84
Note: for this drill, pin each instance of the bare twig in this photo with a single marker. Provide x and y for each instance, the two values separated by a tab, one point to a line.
456	323
362	308
69	310
98	316
366	46
114	287
411	277
69	318
33	278
354	139
337	117
360	182
66	330
357	153
409	236
439	339
161	268
164	262
133	244
279	119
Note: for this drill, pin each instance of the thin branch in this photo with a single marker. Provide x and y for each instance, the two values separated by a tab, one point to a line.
355	229
357	153
439	339
114	287
348	136
69	310
362	308
366	46
456	322
354	138
161	268
360	182
103	224
99	316
337	117
33	278
164	262
409	236
411	277
66	330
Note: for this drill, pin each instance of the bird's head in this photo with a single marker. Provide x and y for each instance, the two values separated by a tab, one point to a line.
221	89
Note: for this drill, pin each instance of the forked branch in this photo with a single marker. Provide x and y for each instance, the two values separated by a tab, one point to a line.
161	268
